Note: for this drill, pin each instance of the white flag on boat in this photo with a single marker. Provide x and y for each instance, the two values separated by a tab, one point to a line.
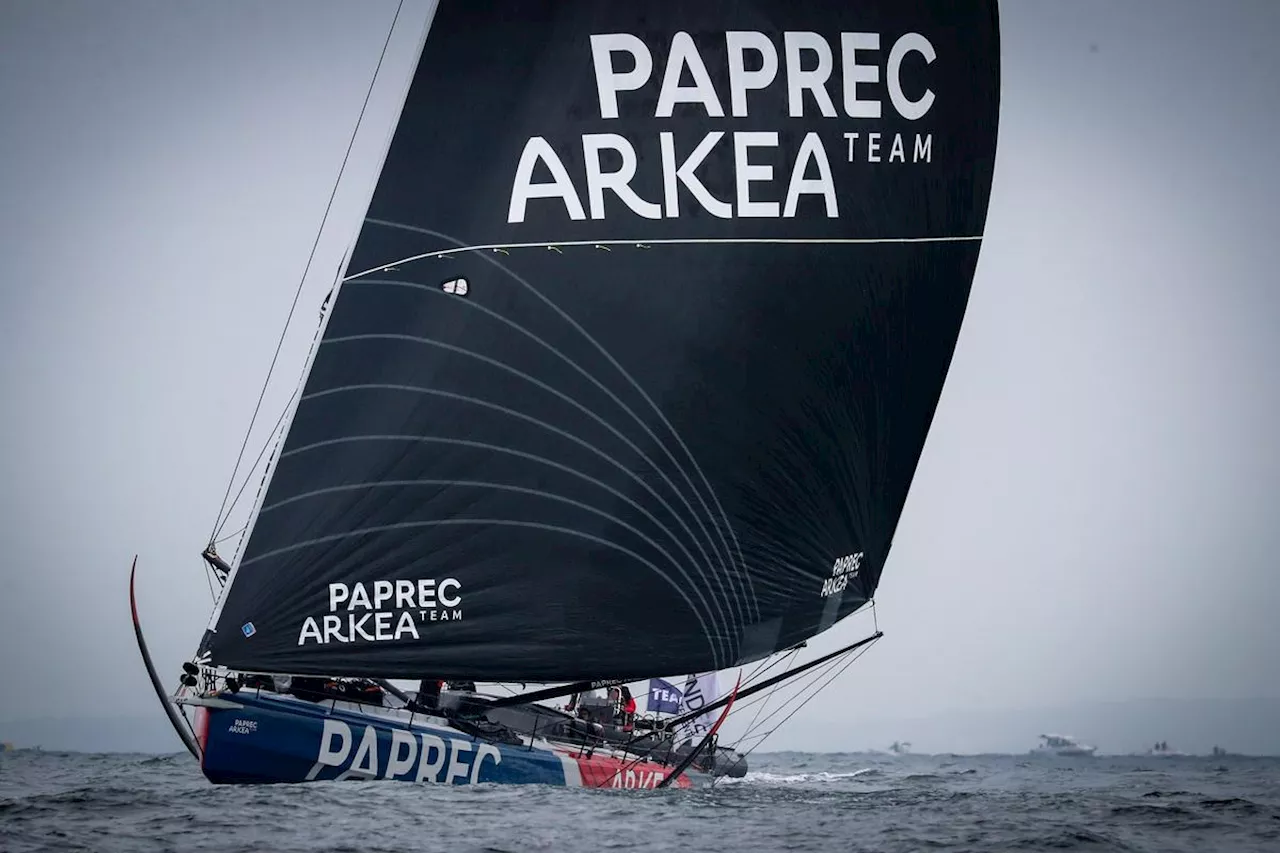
699	691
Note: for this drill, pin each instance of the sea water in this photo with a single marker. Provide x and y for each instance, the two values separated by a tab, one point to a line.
788	802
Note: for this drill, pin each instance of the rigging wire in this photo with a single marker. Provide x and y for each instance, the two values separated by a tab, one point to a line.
769	693
811	679
233	534
803	679
209	581
857	653
272	439
310	258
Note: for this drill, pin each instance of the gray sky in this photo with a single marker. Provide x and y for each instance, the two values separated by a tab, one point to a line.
1093	516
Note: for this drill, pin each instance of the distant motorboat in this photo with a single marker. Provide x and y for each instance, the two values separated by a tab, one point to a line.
1161	749
900	747
1062	745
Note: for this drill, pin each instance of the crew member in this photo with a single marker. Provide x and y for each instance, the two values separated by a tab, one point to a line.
428	698
628	708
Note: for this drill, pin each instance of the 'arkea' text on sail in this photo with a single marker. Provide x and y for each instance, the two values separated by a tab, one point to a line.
848	80
386	610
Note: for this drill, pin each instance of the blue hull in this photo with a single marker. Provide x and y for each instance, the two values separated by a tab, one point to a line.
274	738
256	738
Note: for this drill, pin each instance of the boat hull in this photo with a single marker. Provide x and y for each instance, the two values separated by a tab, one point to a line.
1065	751
259	738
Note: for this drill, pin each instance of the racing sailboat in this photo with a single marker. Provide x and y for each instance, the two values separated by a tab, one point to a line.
627	375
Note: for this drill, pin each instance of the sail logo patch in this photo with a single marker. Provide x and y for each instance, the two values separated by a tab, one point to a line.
248	630
807	71
842	571
385	610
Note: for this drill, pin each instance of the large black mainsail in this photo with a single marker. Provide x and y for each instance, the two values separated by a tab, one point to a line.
638	346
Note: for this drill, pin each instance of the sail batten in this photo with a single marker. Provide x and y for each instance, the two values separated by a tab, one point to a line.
643	243
635	372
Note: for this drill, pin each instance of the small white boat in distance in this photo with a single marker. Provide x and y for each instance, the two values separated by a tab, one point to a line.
1062	745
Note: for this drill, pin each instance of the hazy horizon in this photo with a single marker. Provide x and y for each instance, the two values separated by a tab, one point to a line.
1092	519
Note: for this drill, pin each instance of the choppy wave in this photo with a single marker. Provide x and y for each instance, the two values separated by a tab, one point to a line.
788	801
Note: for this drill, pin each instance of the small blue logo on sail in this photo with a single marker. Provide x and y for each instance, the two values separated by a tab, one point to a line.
248	630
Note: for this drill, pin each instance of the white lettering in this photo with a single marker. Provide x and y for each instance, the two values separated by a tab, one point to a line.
924	148
740	79
408	755
746	173
811	148
359	598
633	778
331	626
404	594
842	570
673	176
897	153
484	751
429	770
338	593
619	181
358	627
396	765
457	767
684	54
907	108
850	44
406	626
440	615
609	82
452	601
426	592
329	756
755	62
365	764
381	593
815	79
311	629
523	188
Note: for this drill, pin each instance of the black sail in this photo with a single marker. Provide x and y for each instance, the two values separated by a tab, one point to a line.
638	346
